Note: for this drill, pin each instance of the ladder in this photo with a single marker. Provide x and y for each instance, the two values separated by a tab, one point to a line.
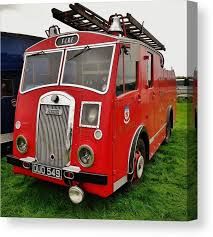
83	19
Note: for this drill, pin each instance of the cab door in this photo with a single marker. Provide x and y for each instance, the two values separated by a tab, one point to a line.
154	101
127	103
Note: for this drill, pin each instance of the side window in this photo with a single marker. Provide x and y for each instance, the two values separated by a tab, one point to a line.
149	70
119	81
6	87
130	72
126	74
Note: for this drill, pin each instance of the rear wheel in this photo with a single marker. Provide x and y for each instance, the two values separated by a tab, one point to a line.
168	131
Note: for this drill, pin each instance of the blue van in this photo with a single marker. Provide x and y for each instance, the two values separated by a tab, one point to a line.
12	49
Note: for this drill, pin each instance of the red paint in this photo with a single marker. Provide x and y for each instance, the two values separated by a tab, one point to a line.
147	106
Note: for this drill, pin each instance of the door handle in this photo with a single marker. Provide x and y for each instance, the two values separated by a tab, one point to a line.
153	95
139	98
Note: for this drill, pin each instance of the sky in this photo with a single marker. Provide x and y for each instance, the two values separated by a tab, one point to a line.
165	19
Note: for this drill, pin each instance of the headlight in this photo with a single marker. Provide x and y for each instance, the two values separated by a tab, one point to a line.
85	156
90	114
21	144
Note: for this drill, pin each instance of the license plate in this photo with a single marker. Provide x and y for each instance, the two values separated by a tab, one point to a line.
47	171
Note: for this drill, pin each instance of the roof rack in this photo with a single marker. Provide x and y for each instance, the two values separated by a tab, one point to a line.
83	19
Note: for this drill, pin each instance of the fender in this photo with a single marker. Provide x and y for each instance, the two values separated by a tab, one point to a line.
132	148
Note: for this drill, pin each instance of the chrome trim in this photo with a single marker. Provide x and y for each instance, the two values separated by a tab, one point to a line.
69	101
153	138
59	72
26	165
28	159
60	36
67	177
119	183
92	154
72	168
23	137
91	46
99	115
98	130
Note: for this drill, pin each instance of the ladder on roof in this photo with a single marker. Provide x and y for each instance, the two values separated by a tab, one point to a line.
83	19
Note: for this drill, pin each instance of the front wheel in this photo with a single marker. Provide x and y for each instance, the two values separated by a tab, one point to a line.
139	167
139	160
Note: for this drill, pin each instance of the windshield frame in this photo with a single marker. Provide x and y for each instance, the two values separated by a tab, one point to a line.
46	85
91	47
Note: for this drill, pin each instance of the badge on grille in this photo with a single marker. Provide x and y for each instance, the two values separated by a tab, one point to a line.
51	111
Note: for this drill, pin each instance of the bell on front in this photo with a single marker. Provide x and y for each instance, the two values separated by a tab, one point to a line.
115	25
53	30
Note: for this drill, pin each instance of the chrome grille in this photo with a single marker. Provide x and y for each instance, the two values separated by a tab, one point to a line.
52	135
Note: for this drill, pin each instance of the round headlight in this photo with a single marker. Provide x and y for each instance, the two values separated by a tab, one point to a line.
85	156
21	144
92	115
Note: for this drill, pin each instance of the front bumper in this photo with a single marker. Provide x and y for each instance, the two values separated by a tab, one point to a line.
67	174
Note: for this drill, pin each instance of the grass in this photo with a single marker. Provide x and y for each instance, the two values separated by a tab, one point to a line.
167	190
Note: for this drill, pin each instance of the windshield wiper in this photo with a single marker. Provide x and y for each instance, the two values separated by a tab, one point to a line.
35	54
84	50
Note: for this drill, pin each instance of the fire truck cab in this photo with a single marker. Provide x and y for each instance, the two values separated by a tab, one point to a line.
92	108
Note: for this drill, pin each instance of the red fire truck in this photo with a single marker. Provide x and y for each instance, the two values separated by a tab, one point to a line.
93	105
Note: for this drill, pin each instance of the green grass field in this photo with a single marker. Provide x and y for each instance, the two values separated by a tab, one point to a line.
167	190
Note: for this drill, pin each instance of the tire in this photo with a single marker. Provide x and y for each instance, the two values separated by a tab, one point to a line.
141	147
168	132
139	160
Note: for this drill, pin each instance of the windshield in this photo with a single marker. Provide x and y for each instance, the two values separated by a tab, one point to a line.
41	69
88	68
